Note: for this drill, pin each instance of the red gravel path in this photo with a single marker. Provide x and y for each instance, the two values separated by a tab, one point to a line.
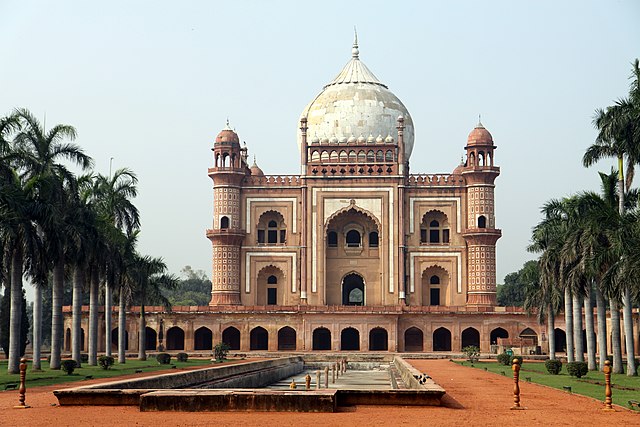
474	397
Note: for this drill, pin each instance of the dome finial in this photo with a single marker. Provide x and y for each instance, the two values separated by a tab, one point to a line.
354	51
479	121
227	127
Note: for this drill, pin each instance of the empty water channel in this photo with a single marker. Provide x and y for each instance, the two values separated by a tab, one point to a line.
282	384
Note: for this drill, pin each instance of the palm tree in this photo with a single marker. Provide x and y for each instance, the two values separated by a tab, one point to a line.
619	137
145	278
41	152
113	197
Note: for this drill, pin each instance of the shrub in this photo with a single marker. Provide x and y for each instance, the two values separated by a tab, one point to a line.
84	358
68	366
472	352
553	366
163	358
504	359
182	357
221	350
577	369
106	362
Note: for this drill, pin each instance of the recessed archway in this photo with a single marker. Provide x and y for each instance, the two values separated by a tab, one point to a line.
151	338
529	334
353	289
561	340
350	339
231	336
442	339
470	336
287	338
114	339
498	333
413	339
175	338
378	339
203	339
259	339
321	339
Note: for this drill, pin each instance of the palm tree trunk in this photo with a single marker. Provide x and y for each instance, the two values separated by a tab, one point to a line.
15	316
568	320
551	327
76	317
577	327
93	318
122	329
107	317
37	329
627	319
588	323
142	335
616	344
57	335
602	327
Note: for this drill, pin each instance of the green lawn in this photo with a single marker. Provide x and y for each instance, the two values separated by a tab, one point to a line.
48	376
624	388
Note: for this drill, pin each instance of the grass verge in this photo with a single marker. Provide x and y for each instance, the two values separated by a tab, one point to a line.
49	376
624	388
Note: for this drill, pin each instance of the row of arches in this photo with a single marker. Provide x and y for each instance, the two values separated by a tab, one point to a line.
226	160
352	156
350	339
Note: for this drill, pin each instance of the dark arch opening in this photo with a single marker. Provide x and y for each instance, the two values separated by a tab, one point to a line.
373	239
353	239
529	334
150	340
114	339
353	290
224	222
259	339
482	221
231	336
434	280
203	339
175	338
441	340
470	336
287	338
413	339
67	340
378	339
350	339
321	339
332	239
561	340
272	280
498	333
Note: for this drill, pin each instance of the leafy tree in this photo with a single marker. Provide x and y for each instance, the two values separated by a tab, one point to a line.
193	289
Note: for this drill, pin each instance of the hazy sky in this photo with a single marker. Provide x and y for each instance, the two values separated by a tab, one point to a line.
151	83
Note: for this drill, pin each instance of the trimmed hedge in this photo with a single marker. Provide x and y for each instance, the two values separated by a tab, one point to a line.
163	358
553	366
182	357
68	366
507	360
106	362
577	369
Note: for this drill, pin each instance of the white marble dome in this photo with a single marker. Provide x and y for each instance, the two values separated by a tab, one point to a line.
356	103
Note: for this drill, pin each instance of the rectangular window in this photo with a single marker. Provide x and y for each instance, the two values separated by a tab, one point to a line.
272	236
272	296
260	236
445	236
434	236
423	235
435	296
283	235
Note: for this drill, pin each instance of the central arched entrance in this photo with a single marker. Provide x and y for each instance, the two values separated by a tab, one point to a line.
353	289
350	339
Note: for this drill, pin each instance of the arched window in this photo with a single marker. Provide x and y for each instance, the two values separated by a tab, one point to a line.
434	280
334	157
371	157
482	221
434	228
272	280
362	157
332	239
373	239
224	222
389	156
353	239
271	229
343	157
379	156
315	156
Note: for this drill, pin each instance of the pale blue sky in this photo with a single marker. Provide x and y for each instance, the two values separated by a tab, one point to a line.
151	83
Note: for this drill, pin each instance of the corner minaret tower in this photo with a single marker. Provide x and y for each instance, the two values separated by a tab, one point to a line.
226	235
480	233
